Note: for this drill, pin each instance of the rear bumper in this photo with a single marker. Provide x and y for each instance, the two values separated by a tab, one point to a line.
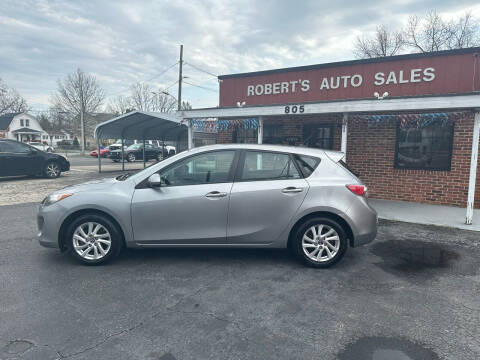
365	221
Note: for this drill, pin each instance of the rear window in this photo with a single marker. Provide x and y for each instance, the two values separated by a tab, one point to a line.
307	164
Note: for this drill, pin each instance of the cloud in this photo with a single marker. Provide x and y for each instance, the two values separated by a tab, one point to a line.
122	42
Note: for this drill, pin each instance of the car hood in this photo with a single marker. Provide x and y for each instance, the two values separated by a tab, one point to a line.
93	185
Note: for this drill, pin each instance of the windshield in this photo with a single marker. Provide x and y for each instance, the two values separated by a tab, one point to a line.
134	147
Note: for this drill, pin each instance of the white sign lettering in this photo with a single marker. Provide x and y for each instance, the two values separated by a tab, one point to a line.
343	82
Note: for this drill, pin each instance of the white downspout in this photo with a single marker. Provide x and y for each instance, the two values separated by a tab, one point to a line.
473	169
190	133
344	135
260	130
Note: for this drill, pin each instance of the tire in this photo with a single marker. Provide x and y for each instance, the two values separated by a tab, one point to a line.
159	157
49	150
131	157
92	246
52	170
318	255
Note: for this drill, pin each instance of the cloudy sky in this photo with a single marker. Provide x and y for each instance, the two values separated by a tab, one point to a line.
122	42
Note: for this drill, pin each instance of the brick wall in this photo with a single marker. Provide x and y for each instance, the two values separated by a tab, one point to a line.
371	153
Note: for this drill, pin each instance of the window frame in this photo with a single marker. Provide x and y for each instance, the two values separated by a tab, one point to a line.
330	139
450	149
241	164
231	174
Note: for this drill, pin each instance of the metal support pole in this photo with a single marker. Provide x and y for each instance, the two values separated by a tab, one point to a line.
473	169
180	78
143	152
123	157
99	157
260	130
190	134
344	135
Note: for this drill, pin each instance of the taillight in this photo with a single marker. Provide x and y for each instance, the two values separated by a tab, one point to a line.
360	190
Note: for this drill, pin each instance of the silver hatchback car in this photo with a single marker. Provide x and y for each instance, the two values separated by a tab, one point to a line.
237	195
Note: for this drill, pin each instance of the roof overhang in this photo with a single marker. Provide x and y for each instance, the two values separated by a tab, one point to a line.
138	125
450	102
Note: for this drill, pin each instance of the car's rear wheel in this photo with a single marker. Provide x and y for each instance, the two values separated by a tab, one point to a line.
49	150
320	242
94	239
159	157
52	170
131	157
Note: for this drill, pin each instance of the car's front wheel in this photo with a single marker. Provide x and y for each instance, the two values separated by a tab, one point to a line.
94	239
320	242
131	157
52	170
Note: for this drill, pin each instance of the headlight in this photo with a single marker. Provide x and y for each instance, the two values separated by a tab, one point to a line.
53	198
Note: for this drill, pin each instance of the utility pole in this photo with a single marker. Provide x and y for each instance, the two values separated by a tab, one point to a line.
82	120
180	77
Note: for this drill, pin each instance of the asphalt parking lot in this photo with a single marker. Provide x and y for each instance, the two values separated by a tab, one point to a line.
412	294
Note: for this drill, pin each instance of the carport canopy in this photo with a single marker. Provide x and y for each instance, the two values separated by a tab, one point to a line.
139	125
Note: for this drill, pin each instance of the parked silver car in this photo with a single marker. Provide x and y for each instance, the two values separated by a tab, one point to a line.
237	195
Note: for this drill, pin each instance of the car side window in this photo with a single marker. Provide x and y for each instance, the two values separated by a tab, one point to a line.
15	147
213	167
307	164
261	165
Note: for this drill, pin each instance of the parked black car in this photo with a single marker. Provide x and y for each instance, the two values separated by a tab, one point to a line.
17	158
135	152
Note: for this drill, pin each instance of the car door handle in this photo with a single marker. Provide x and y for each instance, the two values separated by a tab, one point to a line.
292	189
216	194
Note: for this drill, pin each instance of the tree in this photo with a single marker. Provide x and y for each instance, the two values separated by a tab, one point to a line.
431	33
141	96
186	105
79	93
463	33
44	122
10	100
382	43
120	105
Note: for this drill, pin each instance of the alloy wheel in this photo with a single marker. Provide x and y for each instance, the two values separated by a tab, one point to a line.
131	157
92	241
320	243
52	170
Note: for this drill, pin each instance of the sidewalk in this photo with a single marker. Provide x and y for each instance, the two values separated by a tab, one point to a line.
425	214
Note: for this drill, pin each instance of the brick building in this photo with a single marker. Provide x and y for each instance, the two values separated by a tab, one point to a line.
406	123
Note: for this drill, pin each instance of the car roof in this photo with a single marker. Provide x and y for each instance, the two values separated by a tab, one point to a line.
268	147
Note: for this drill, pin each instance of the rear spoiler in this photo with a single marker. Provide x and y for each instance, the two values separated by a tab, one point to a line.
335	156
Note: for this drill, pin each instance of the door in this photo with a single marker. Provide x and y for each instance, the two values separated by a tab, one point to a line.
19	159
267	192
191	206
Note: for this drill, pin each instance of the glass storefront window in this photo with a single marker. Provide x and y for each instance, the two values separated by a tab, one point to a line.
318	136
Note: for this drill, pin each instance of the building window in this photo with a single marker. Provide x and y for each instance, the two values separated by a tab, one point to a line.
27	122
242	136
318	136
21	123
272	133
424	148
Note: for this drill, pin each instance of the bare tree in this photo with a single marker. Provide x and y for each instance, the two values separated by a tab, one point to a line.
120	105
382	43
141	96
79	93
10	100
464	32
164	102
431	33
186	105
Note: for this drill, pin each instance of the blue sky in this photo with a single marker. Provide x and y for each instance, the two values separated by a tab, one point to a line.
122	42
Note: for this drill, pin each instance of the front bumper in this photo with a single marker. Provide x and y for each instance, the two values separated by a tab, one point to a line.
48	225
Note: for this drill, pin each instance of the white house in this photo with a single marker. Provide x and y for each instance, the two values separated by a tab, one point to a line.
20	126
54	136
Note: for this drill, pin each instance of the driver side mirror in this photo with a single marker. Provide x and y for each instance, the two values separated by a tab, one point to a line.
154	181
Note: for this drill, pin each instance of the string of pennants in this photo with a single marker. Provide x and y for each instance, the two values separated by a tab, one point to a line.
412	120
223	125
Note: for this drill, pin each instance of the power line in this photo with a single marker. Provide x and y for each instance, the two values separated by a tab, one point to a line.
201	70
201	87
156	76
